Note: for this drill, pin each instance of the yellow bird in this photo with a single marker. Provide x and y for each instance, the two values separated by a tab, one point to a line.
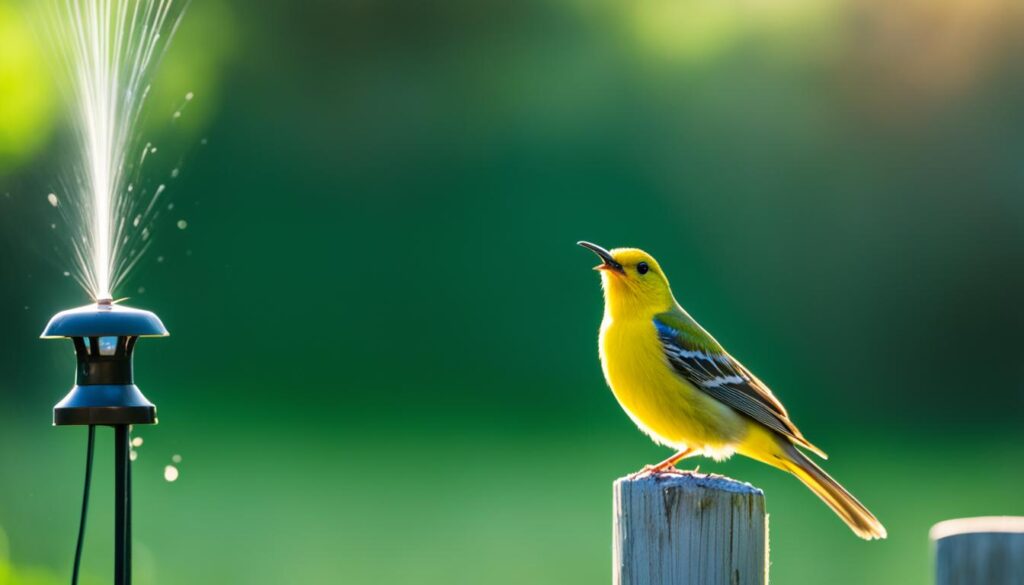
686	392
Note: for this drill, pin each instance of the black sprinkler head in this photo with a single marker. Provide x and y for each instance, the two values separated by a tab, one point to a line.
104	335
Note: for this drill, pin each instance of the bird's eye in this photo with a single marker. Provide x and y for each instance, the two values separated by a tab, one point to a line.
642	268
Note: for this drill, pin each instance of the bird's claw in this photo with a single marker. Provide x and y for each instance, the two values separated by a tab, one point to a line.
655	470
670	469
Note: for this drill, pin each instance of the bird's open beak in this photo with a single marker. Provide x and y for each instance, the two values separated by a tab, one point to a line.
608	263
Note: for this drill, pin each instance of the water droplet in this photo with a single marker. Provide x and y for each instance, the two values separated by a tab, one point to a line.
133	455
189	96
53	226
171	473
203	142
182	224
137	220
137	441
131	187
159	258
176	458
170	206
176	115
174	173
52	198
66	273
152	150
142	290
145	234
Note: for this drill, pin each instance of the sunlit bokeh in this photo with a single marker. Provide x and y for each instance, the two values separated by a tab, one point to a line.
26	90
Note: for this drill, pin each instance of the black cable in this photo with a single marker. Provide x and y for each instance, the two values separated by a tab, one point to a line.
85	504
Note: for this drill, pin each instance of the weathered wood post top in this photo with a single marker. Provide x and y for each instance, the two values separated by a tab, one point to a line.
987	550
688	528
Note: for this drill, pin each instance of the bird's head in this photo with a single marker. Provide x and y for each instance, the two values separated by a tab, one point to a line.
633	282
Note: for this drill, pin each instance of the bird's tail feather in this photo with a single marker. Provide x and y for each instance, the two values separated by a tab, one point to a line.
842	502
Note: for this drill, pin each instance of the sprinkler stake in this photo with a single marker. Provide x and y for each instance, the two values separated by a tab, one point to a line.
105	393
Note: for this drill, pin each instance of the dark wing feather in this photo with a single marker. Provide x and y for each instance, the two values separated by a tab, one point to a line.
695	356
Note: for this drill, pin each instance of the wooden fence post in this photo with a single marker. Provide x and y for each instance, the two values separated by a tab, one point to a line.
979	551
688	529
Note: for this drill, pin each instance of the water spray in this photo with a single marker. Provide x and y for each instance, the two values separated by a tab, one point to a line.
105	394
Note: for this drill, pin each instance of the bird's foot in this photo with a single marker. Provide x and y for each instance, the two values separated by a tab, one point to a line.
660	468
647	470
664	467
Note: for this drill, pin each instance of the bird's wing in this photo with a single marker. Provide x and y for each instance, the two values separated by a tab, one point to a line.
702	362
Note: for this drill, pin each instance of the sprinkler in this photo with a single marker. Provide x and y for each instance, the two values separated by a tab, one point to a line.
105	394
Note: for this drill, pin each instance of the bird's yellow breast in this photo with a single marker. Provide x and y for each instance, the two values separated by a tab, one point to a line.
660	402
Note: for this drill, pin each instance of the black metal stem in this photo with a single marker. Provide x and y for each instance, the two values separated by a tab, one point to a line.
128	514
122	506
85	504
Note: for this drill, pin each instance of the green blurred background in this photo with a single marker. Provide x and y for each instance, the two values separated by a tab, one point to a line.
383	363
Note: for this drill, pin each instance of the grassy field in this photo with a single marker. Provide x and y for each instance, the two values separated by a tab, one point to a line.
472	505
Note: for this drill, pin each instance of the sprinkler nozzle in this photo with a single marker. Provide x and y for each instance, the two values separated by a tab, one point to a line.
104	335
